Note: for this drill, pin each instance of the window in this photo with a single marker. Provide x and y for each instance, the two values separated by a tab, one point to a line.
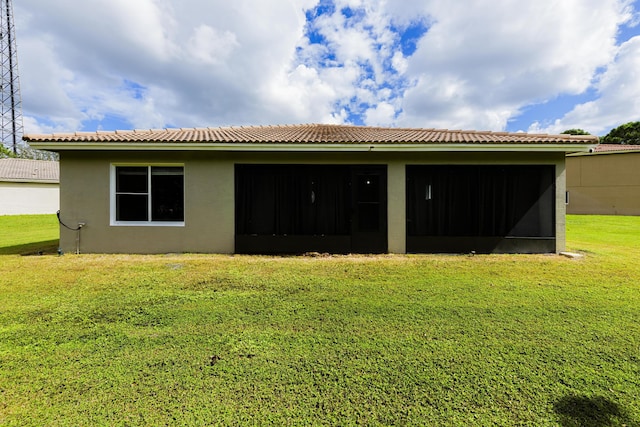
148	194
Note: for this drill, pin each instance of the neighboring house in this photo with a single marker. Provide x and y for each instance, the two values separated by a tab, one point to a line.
29	187
313	188
604	181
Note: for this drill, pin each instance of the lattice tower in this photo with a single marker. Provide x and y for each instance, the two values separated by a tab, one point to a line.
11	127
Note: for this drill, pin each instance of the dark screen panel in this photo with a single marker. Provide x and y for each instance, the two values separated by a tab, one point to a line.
455	200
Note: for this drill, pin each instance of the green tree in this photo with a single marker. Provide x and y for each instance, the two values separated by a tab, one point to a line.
5	152
628	133
26	152
576	132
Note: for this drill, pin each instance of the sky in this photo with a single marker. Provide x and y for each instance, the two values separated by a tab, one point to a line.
541	66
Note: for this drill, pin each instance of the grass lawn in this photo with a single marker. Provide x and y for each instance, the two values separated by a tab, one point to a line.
346	340
21	234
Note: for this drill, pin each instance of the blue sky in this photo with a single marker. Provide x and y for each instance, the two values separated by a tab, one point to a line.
533	66
549	111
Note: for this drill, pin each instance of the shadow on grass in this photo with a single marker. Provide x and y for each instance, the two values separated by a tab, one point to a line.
46	247
596	411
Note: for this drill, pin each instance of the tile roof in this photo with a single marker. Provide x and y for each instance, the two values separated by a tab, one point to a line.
610	148
24	170
310	134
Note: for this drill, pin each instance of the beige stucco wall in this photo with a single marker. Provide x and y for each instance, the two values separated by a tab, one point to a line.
29	198
209	195
604	184
85	198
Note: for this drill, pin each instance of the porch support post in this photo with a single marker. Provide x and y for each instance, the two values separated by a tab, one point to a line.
561	208
396	208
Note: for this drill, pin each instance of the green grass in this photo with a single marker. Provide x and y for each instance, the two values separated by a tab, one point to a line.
22	234
613	236
386	340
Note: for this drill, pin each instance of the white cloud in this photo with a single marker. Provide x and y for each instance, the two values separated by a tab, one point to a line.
302	94
381	115
205	63
400	63
211	46
211	60
360	55
494	60
45	89
618	101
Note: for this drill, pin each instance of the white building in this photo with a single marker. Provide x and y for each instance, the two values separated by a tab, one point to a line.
29	187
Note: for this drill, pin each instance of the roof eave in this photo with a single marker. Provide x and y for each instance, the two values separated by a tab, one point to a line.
30	181
600	153
317	147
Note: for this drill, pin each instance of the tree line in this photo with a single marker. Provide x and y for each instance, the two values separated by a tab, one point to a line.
626	134
26	152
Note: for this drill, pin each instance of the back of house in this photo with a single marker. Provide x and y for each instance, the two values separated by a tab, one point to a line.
312	188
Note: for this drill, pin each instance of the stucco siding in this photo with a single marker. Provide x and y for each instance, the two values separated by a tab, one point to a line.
604	184
28	198
86	194
209	223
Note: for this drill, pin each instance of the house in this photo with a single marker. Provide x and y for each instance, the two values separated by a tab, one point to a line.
29	187
312	188
604	180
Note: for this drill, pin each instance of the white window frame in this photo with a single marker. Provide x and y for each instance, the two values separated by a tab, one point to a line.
149	223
